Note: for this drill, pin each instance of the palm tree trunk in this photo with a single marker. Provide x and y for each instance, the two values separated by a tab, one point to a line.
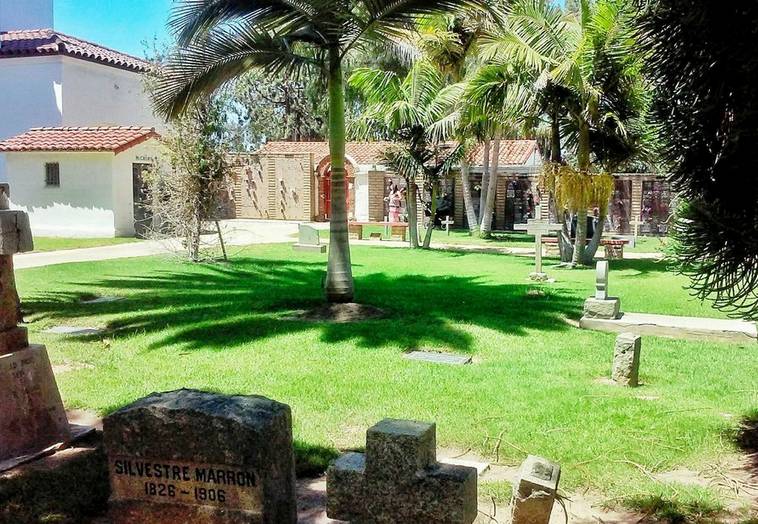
489	207
592	247
468	201
411	204
583	159
339	275
485	180
556	156
565	248
430	228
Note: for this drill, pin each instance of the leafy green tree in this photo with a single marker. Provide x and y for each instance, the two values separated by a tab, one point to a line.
703	64
221	39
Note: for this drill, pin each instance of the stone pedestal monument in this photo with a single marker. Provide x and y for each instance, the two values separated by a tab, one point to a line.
32	418
602	305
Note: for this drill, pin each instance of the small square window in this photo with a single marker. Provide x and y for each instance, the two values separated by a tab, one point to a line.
53	174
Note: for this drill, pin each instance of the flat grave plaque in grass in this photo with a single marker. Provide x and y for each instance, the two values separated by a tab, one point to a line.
74	331
439	358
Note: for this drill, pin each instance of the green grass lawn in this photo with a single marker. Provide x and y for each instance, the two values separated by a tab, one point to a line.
56	243
228	328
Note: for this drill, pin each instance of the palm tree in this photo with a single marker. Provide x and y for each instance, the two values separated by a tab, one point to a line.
409	110
221	39
585	76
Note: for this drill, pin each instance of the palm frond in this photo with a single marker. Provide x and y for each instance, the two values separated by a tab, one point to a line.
224	54
194	19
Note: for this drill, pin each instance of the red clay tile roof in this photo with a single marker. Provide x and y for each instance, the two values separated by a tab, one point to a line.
42	42
112	139
512	152
362	152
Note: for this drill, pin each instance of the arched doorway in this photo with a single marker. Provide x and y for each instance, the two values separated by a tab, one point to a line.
324	180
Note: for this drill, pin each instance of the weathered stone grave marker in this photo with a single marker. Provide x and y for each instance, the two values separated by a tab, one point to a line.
626	360
191	456
32	417
398	479
308	240
602	305
535	491
538	227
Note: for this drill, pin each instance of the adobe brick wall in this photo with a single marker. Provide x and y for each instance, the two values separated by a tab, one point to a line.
376	195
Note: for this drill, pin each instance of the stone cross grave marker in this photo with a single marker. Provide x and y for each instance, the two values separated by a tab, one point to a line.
32	417
626	360
447	223
601	280
538	227
535	491
308	240
602	305
191	456
398	479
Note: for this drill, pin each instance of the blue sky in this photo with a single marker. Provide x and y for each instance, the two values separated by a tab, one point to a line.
119	24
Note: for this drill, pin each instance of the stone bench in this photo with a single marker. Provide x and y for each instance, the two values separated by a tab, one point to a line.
398	230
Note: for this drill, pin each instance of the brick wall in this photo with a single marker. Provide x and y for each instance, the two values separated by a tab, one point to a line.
376	195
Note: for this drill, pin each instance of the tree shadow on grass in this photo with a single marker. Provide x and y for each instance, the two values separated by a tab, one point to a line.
223	306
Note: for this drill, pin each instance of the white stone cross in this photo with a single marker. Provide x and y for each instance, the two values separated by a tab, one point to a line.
538	227
447	223
636	224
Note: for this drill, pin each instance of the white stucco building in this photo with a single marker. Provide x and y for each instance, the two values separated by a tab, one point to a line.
80	181
53	80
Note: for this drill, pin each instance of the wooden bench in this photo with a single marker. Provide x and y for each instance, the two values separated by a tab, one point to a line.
614	248
397	229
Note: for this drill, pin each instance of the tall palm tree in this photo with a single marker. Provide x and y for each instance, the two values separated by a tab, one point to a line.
221	39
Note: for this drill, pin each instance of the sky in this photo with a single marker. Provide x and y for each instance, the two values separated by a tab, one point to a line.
119	24
125	25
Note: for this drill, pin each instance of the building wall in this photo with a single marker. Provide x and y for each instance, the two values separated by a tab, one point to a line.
99	95
362	200
122	187
83	204
375	195
32	96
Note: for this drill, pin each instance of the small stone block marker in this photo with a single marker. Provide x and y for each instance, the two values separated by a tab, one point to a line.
308	240
191	456
398	480
626	360
602	305
535	491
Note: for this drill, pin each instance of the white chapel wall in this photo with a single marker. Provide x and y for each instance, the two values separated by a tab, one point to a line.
100	95
83	204
31	96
